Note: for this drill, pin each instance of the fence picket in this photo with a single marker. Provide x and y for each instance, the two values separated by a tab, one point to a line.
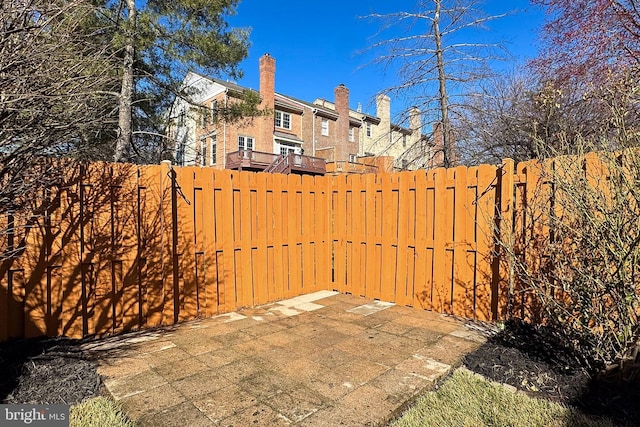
226	258
485	200
441	296
259	239
371	283
462	286
243	252
356	215
294	226
323	233
308	234
402	238
278	237
422	283
338	239
389	240
505	281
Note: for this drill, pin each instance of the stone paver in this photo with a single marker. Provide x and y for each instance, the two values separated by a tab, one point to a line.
321	359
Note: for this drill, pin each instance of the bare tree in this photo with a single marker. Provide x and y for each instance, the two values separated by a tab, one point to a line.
439	57
587	39
522	116
628	11
499	121
56	92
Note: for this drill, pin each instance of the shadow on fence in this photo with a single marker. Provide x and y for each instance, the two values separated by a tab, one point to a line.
76	262
116	247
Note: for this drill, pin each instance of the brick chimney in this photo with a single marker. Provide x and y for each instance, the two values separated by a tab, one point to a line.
267	93
383	111
342	124
415	124
437	138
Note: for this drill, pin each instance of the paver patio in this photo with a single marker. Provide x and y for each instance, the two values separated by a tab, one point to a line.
323	359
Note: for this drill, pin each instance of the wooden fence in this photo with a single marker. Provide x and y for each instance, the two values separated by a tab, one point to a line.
118	247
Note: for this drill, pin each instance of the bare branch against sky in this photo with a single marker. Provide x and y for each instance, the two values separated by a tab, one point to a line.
440	56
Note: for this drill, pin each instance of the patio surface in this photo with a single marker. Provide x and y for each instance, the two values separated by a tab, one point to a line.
323	359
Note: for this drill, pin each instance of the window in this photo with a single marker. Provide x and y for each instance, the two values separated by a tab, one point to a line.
203	157
324	127
214	111
352	134
283	120
369	130
181	118
352	158
245	143
286	149
404	141
209	116
214	146
205	117
180	154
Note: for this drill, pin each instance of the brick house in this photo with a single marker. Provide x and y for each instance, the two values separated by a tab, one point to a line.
310	130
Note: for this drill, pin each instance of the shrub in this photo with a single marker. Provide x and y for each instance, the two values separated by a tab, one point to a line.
573	257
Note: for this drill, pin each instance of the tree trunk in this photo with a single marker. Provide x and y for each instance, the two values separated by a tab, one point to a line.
442	80
125	127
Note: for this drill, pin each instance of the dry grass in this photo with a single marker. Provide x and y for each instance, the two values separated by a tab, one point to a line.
465	399
98	412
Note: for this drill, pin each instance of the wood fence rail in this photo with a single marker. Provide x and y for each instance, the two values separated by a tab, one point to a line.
118	247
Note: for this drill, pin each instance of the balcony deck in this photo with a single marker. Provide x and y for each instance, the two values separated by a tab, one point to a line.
256	161
350	167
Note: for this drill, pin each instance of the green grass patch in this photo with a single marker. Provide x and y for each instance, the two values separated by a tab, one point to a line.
465	399
98	412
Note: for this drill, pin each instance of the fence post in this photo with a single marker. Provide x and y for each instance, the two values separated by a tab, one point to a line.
503	288
168	205
175	262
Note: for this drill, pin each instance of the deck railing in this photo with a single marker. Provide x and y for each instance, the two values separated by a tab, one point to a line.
350	167
260	161
244	159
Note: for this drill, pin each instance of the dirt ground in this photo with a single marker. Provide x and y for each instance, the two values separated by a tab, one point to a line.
56	371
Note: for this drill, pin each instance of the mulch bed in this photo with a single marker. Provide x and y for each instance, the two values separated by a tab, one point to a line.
535	360
46	371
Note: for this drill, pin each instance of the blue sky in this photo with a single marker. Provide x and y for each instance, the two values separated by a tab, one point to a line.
319	45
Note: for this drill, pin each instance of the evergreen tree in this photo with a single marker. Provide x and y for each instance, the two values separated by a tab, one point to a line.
156	42
57	85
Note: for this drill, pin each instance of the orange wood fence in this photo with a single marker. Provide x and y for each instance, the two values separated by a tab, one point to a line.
118	247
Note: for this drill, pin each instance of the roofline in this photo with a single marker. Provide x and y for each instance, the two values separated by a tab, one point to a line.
320	109
283	136
401	129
